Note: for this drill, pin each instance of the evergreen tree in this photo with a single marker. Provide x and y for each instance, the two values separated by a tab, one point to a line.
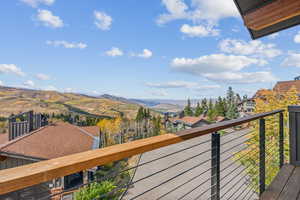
230	96
211	110
204	105
232	111
220	107
199	110
188	109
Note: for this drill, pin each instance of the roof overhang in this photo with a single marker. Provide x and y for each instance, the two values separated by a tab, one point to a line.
264	17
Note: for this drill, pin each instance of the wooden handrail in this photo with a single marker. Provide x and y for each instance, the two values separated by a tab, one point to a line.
28	175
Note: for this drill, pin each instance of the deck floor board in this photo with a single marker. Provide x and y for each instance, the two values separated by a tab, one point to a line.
285	186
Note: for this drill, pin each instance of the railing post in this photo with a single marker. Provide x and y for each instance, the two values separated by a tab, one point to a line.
215	164
262	156
281	140
294	132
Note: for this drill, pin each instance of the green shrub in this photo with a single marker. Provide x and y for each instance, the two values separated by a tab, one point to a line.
95	191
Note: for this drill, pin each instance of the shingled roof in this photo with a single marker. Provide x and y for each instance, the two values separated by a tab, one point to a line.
187	120
53	141
284	86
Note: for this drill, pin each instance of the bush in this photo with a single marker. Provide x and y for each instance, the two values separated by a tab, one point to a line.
95	190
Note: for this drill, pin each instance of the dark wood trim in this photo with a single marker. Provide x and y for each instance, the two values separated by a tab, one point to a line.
272	13
21	177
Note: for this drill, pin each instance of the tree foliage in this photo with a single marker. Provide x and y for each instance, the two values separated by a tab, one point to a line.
95	191
188	109
250	158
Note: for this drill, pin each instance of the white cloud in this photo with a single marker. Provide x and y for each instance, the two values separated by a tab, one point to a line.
159	93
48	19
182	84
173	84
12	69
214	63
69	90
273	36
114	52
36	3
198	31
292	60
1	83
43	77
297	38
199	10
51	88
242	77
206	87
68	45
102	20
29	84
254	48
145	54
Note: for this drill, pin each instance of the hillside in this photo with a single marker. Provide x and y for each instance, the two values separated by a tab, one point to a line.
16	100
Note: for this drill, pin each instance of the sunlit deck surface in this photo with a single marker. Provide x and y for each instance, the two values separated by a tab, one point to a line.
286	185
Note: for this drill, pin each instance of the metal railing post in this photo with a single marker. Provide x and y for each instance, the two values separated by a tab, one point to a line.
262	156
215	164
281	140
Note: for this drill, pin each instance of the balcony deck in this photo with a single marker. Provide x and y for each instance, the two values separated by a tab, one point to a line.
285	186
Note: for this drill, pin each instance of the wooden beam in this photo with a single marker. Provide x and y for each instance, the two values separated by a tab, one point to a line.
271	14
28	175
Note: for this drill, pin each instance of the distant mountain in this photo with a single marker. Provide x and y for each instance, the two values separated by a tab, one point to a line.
16	100
160	105
114	98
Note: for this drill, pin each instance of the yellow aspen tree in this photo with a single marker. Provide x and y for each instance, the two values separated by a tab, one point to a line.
268	101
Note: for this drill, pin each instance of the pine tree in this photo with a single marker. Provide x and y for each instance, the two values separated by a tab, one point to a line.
230	96
220	107
231	111
211	110
188	109
204	105
198	110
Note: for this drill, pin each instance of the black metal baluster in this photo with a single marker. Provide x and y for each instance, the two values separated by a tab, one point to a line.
215	163
281	140
262	156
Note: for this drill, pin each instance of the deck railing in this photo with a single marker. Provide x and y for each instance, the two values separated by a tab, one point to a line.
206	163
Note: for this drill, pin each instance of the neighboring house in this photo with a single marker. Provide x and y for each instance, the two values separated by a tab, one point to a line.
48	142
177	124
284	86
246	107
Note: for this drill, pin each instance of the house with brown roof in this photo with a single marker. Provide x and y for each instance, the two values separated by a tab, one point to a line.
48	142
187	122
284	86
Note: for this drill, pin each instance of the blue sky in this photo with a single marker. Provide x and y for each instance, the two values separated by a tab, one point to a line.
168	49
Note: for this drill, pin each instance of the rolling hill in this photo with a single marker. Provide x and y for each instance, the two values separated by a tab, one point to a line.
16	100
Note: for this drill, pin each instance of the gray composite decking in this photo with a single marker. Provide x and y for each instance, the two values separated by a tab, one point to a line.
285	186
190	190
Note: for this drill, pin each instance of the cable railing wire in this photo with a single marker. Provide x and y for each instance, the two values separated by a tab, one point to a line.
173	153
111	174
235	183
225	151
183	184
240	136
168	180
171	166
